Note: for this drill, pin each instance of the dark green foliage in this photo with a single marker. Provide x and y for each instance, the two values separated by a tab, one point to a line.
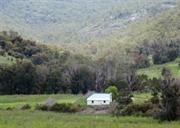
165	102
164	51
54	81
113	90
131	79
69	108
18	79
119	84
169	97
24	78
10	108
42	107
26	107
141	58
41	69
39	58
82	80
170	100
155	99
63	107
142	83
123	99
135	109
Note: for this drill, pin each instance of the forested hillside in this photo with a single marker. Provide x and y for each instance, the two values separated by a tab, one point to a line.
69	21
28	67
161	28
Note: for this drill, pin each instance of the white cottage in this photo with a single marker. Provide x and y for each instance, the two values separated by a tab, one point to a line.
99	99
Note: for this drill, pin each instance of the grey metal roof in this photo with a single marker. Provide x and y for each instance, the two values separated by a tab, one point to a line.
100	96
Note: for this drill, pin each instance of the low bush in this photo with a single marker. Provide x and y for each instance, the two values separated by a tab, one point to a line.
41	107
154	112
63	107
10	108
137	109
26	107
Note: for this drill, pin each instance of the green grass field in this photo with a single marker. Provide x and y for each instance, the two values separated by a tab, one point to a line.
155	70
36	119
17	118
6	60
140	98
18	101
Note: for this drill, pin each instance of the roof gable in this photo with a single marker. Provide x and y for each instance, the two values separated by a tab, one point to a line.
100	96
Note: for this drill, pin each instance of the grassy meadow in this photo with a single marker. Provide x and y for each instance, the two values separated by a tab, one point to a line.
140	98
17	101
155	70
17	118
36	119
6	60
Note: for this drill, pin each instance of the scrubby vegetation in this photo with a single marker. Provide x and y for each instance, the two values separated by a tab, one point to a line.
163	103
61	108
26	107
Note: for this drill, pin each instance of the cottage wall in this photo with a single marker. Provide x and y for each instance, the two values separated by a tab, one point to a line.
98	102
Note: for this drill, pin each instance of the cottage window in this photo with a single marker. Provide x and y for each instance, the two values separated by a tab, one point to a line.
104	101
92	101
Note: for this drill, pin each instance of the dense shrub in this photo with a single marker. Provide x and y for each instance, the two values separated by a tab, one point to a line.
170	103
26	107
165	51
41	107
124	98
10	108
136	109
169	99
42	69
154	112
63	107
155	99
141	60
162	50
113	90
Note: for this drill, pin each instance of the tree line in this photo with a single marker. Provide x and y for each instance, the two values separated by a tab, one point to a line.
43	69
